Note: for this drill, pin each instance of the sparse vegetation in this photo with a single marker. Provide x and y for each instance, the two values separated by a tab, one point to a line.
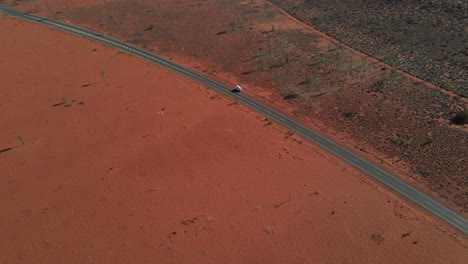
65	102
20	138
427	42
290	96
460	118
405	234
232	26
377	237
288	134
310	79
150	27
103	76
349	114
111	23
49	8
68	10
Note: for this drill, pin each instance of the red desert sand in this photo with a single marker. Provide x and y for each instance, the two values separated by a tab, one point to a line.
109	159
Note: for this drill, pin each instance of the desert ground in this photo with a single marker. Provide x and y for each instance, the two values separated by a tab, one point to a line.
106	158
109	159
381	111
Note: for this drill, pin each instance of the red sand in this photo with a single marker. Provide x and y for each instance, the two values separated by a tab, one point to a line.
154	168
336	104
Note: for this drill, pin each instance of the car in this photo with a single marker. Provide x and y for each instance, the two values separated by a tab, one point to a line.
238	89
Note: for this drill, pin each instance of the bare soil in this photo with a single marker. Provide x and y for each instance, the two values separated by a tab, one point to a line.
114	160
396	119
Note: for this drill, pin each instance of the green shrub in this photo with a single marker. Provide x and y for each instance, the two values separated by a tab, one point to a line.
460	118
290	96
310	79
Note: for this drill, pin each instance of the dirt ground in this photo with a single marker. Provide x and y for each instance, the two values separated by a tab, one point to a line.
392	118
108	159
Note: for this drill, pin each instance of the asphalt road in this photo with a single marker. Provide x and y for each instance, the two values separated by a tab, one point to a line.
393	182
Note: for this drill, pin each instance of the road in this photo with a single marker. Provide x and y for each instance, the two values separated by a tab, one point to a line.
385	177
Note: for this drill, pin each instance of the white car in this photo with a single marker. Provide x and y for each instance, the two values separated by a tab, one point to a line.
238	88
